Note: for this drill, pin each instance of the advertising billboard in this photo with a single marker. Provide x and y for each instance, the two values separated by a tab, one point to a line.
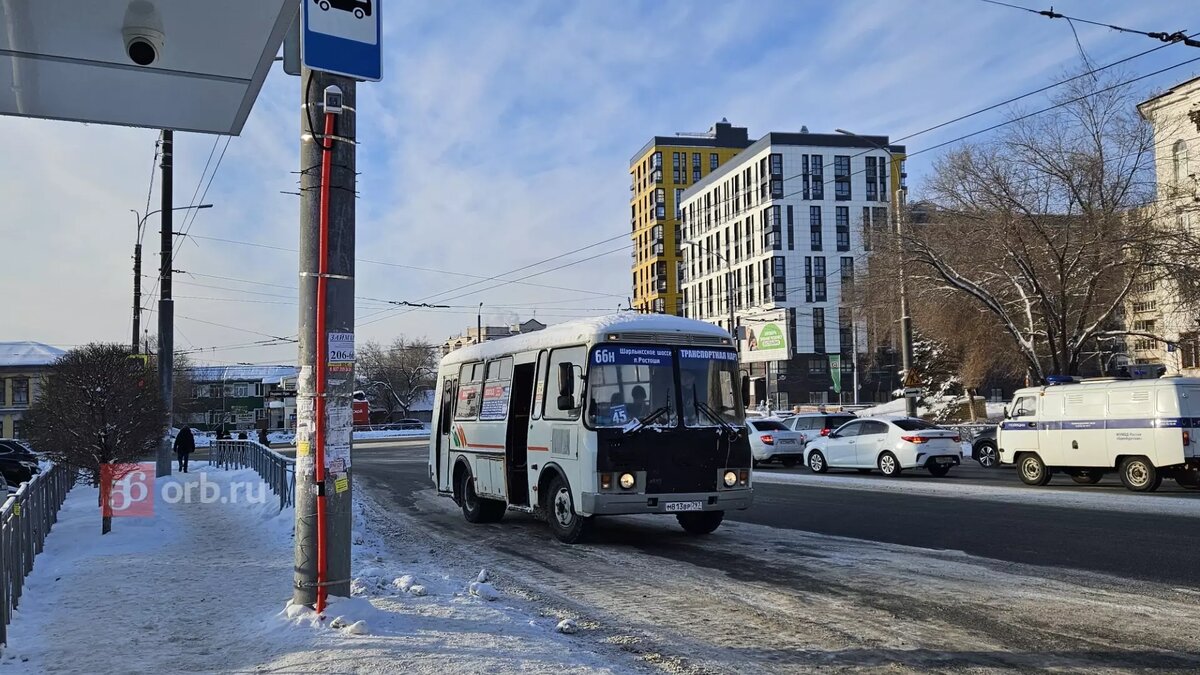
766	337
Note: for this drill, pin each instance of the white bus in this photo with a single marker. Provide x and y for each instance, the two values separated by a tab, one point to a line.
621	414
1143	429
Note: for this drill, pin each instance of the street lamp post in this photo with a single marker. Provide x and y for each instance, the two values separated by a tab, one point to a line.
906	355
137	268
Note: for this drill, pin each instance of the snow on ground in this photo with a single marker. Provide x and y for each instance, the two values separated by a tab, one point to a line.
204	587
1100	500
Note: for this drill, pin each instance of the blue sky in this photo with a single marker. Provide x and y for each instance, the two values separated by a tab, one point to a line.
500	136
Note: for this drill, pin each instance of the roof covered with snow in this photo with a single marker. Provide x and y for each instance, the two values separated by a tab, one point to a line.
24	354
584	330
264	374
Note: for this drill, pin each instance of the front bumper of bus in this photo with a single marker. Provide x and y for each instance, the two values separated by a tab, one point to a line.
609	504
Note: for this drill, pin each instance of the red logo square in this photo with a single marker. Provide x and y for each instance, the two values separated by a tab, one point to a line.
127	490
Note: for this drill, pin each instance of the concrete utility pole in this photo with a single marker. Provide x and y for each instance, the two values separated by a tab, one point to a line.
137	292
906	353
166	306
330	552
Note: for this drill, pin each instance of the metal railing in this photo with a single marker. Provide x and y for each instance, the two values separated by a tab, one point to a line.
25	520
277	471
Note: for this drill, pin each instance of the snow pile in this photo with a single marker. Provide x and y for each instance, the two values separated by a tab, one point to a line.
391	433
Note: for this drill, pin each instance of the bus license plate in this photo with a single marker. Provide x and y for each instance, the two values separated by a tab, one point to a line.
671	507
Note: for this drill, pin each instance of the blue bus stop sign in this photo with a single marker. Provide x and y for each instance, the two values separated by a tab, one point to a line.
342	37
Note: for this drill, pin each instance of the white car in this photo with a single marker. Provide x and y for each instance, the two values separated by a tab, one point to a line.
770	440
890	444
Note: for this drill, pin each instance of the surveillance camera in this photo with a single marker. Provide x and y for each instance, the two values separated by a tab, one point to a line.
143	33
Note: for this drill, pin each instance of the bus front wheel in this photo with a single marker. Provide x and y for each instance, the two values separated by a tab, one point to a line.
565	522
476	509
700	522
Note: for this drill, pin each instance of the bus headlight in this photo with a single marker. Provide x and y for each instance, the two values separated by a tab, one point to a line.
627	481
731	479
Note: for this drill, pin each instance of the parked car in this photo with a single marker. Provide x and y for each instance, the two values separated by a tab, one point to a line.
890	444
18	462
983	449
770	440
815	425
409	423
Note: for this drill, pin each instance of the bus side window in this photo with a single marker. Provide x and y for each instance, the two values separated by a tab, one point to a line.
449	394
540	387
469	391
577	357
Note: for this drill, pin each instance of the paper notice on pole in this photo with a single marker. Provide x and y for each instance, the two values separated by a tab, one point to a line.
340	352
339	426
341	484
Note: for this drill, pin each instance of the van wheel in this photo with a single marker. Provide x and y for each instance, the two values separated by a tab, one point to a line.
476	509
889	465
1033	470
565	522
700	522
1087	477
816	462
1139	475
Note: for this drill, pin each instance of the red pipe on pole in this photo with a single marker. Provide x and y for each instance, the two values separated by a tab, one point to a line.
322	358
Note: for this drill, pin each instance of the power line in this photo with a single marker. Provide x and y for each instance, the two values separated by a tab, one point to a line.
1169	38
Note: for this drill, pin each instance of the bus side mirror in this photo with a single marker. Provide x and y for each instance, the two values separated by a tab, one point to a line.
566	386
745	390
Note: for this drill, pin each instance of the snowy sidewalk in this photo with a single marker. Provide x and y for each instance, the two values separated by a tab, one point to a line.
200	587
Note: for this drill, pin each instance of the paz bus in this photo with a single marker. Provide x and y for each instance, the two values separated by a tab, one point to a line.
621	414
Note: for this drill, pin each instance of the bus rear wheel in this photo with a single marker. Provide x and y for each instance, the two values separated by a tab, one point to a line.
700	522
476	509
565	522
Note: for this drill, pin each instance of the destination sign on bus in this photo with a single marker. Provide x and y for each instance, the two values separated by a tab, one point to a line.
632	356
708	354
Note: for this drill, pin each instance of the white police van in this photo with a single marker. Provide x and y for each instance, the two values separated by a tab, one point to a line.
1143	429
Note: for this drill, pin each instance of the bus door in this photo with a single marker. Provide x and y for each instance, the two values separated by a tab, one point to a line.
445	425
516	442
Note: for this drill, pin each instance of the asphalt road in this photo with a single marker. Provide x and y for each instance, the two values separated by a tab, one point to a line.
1154	548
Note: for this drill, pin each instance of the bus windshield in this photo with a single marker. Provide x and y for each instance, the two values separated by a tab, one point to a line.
628	383
708	386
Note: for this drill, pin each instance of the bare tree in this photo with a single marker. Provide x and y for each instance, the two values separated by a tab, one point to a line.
1048	227
100	408
396	373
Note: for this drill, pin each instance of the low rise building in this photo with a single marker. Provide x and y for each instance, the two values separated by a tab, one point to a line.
23	369
241	397
473	335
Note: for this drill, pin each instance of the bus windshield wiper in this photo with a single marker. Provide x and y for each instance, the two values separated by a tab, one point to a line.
644	421
703	407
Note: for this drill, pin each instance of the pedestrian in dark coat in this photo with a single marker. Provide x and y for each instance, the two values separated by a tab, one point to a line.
185	445
262	437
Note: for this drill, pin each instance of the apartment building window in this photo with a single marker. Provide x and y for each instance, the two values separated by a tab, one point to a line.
20	391
1146	326
713	161
872	185
841	177
1189	350
776	165
804	177
1145	306
883	187
1143	344
678	202
695	167
779	278
1144	287
808	279
879	219
818	177
656	161
816	366
845	332
791	231
819	285
847	271
814	227
1179	161
867	234
818	330
241	389
774	236
675	167
842	215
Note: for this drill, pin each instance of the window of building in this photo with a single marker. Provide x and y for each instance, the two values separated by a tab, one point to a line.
819	285
841	177
883	186
842	214
804	177
872	185
241	389
776	165
818	330
845	334
1145	306
818	177
814	227
713	160
816	366
808	279
20	391
1189	350
1145	326
847	271
867	233
791	231
773	229
1179	161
